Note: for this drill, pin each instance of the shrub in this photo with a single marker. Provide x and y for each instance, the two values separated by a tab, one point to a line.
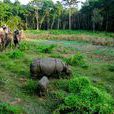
16	54
6	108
111	67
45	48
62	84
24	46
77	59
30	86
83	97
27	46
78	84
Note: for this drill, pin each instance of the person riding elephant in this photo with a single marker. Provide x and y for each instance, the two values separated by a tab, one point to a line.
16	37
7	37
1	39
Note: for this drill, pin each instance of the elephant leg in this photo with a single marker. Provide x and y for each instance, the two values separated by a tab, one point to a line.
15	43
0	47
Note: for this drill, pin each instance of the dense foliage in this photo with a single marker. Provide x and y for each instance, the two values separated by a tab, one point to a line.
83	97
45	14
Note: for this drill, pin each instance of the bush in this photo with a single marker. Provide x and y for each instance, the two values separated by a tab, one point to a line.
78	84
30	86
83	97
24	46
62	84
16	54
77	60
45	48
6	108
111	67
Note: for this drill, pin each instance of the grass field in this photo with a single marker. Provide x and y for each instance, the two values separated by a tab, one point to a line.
14	65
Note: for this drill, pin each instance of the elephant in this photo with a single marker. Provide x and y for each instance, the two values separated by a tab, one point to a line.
5	37
16	37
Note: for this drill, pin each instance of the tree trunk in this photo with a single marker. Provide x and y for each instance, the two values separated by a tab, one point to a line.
53	22
78	21
26	22
34	23
64	25
47	23
93	26
42	20
70	19
37	19
107	22
58	23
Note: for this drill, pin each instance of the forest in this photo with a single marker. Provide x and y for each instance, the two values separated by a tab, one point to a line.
45	14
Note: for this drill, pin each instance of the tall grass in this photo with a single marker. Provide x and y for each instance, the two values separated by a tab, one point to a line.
72	32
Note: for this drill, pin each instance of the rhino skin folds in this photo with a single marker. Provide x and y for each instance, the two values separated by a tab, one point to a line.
47	67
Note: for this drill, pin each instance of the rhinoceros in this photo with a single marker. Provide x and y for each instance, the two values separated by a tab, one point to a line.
48	67
43	85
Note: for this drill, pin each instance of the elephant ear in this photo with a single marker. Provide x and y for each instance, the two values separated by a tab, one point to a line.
47	66
0	40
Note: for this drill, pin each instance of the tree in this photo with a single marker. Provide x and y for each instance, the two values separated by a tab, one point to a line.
16	2
13	22
59	10
6	1
48	8
37	4
45	14
70	4
96	18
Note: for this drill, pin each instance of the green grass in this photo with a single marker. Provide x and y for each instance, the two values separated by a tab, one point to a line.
83	97
15	77
6	108
36	31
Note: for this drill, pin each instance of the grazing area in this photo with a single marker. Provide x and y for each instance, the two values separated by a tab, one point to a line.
56	56
89	89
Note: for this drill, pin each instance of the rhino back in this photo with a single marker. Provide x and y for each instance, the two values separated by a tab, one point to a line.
59	65
47	66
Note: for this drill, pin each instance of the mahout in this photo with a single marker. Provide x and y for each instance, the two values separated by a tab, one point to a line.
7	38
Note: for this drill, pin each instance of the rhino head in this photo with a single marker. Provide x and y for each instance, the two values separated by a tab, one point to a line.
67	69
